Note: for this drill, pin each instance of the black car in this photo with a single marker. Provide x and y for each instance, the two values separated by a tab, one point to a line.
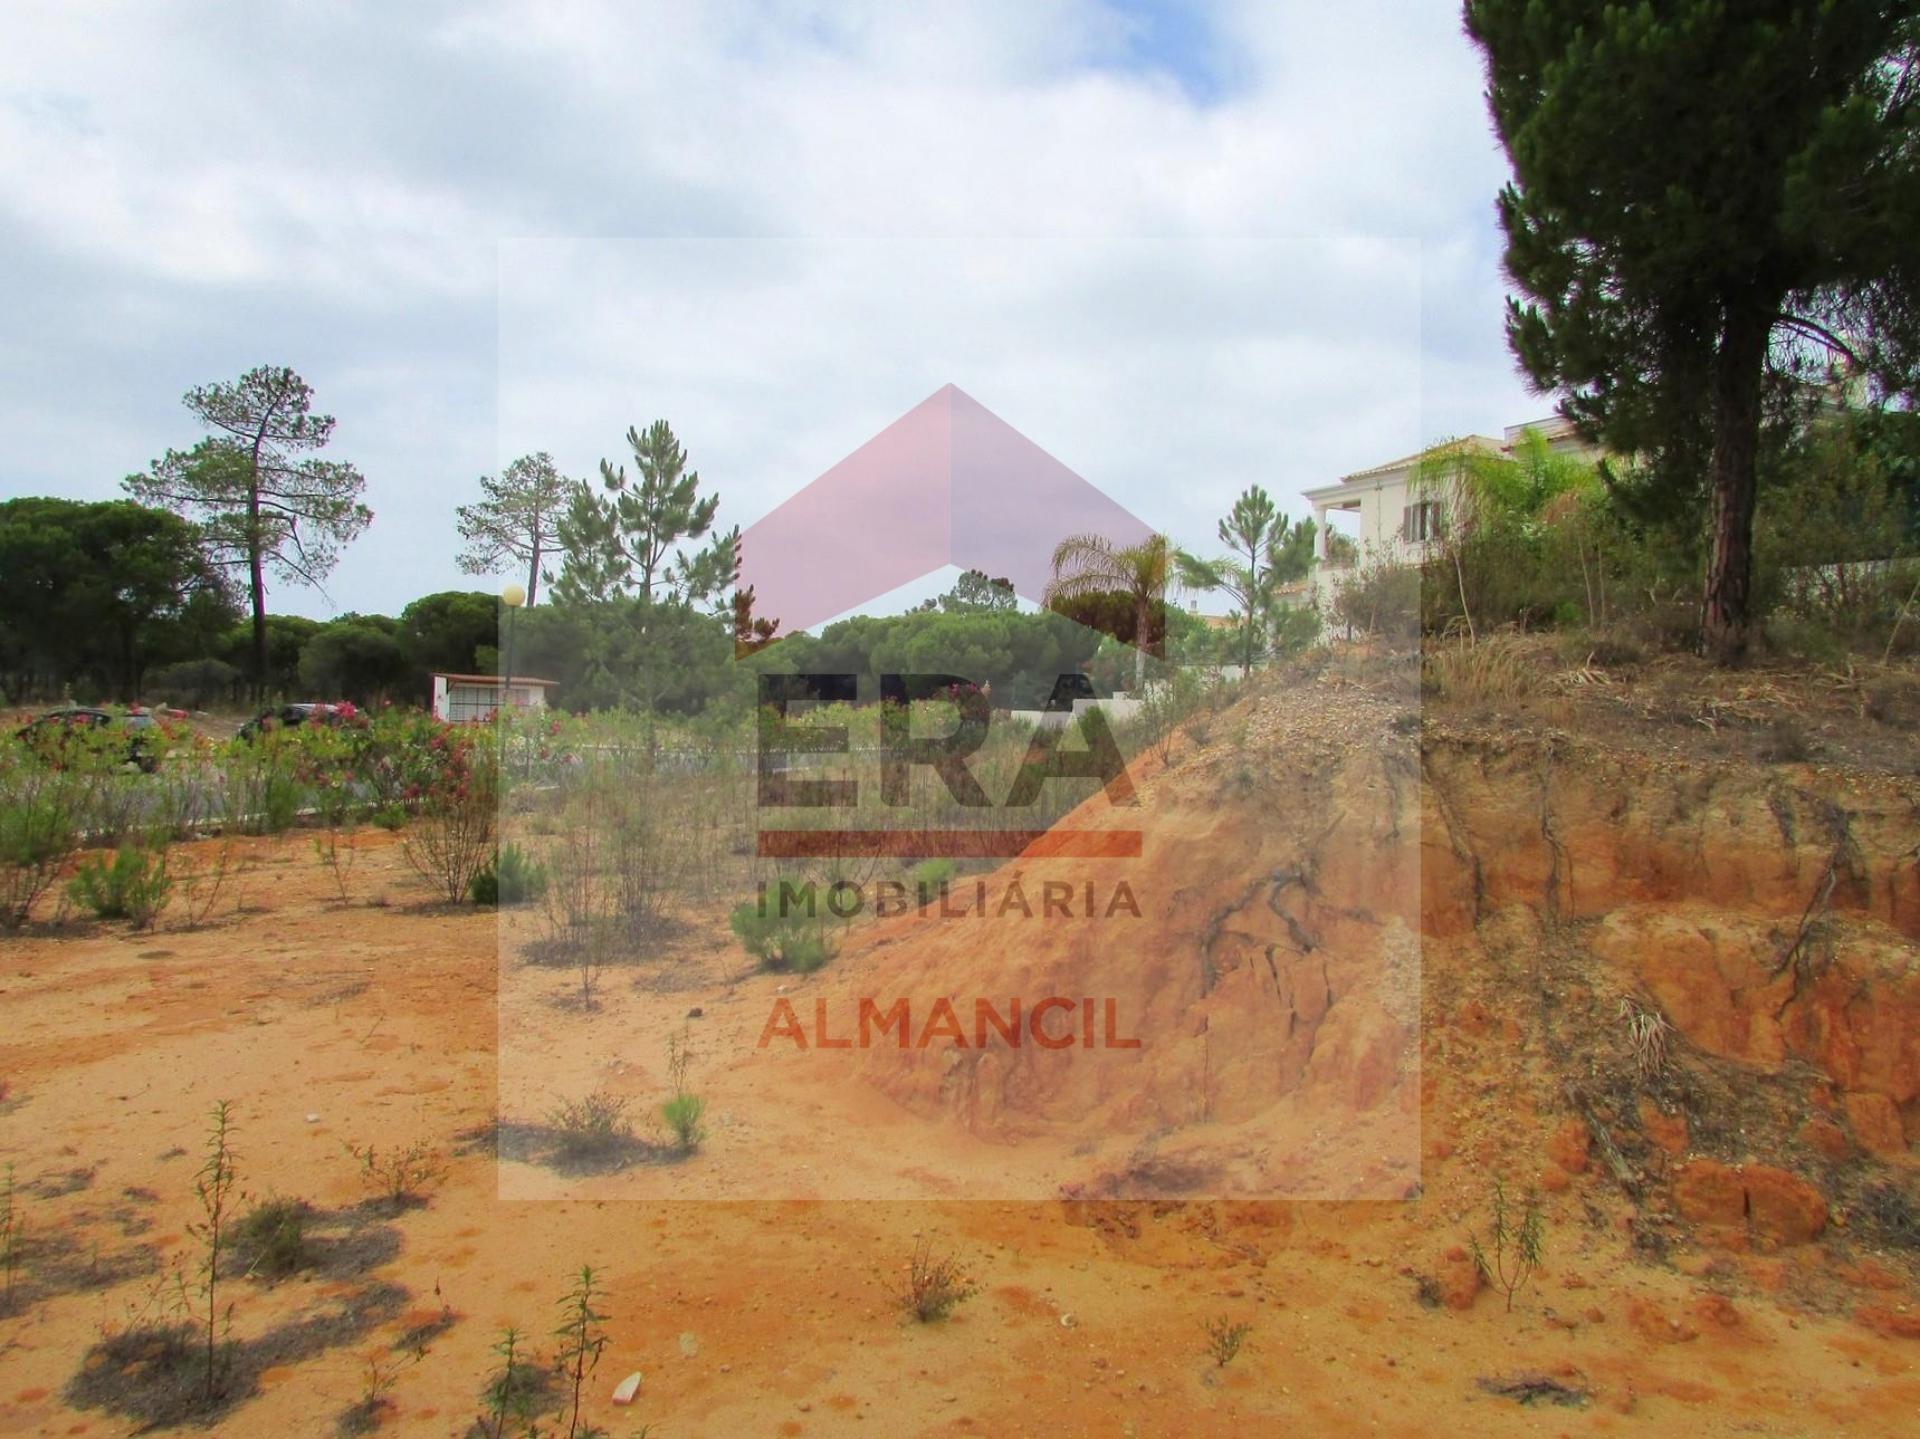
56	735
295	715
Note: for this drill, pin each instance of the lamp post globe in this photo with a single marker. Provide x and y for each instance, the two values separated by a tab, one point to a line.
512	596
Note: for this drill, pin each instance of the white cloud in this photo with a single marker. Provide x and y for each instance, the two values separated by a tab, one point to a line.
189	190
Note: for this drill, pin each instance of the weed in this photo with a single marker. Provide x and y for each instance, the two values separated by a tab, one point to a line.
583	1336
378	1374
213	1186
685	1110
1516	1247
390	817
399	1176
591	1128
1647	1035
1225	1338
12	1227
1490	671
935	1285
519	1390
337	849
201	883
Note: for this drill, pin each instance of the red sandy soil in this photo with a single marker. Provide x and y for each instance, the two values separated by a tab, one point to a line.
381	1018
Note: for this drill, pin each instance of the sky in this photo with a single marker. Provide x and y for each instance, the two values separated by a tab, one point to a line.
1184	248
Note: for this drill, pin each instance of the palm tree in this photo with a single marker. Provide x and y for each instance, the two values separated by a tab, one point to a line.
1086	565
1522	494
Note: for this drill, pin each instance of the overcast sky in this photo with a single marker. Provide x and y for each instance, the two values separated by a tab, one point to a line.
1183	248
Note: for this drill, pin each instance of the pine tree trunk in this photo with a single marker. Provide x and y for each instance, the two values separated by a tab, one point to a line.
258	584
1738	372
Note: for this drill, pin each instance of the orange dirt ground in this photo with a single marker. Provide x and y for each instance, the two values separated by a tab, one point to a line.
378	1019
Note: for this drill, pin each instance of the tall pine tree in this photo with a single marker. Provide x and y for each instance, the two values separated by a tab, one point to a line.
622	541
260	495
515	518
1701	189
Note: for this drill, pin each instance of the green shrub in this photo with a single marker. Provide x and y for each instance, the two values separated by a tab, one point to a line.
513	877
930	876
1380	599
781	939
683	1114
270	1239
452	838
38	832
133	885
390	817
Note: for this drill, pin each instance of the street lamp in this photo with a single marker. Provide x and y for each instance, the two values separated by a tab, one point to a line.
512	597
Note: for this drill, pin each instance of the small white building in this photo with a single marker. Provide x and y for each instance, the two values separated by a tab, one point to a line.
1391	523
467	699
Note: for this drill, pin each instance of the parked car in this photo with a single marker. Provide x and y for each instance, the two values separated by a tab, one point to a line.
294	715
58	734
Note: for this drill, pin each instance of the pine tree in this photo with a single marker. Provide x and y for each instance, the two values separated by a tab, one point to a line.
258	502
1266	549
1701	191
622	540
515	518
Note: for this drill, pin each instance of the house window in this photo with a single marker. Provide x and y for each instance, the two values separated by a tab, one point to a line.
1422	520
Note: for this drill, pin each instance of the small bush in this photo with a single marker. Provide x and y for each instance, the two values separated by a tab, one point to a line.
591	1128
399	1176
935	1285
390	817
38	832
782	941
513	877
133	885
270	1240
930	876
1380	599
1890	1215
452	841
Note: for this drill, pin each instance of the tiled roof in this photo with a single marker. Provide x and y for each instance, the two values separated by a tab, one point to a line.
1445	447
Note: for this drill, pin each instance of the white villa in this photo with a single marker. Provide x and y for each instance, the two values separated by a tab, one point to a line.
1391	523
